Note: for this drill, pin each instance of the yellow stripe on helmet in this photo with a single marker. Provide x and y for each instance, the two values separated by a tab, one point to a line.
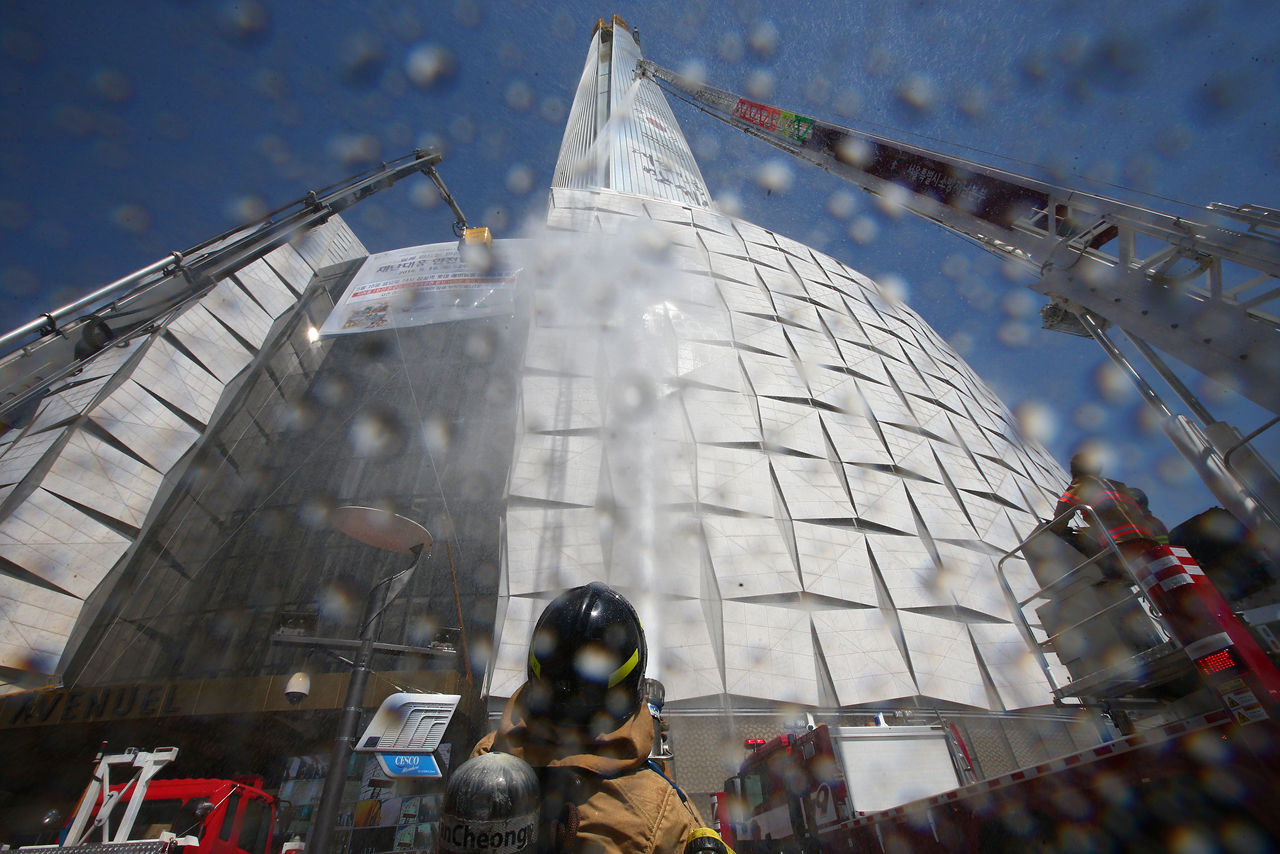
534	665
627	666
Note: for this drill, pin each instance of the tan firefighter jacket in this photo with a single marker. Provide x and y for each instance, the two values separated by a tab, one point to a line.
631	808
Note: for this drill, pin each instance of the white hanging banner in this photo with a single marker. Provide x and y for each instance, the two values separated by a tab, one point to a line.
419	285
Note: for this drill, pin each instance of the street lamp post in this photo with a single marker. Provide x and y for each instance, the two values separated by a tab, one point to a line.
390	532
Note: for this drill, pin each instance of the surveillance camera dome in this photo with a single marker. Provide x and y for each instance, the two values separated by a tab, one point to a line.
298	687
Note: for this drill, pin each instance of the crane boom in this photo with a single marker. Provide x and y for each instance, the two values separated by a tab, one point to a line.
1192	289
141	300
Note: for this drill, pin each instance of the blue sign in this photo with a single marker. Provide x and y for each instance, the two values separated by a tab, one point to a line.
409	765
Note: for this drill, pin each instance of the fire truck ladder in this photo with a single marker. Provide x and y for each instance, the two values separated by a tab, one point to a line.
1204	292
148	764
142	302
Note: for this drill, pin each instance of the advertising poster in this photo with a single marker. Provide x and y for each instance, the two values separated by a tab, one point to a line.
405	837
409	810
419	285
372	840
368	814
373	783
377	815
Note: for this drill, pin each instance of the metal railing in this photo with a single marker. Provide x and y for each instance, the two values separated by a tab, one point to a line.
1016	606
1226	457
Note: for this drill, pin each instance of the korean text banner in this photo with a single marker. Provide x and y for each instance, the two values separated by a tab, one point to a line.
419	285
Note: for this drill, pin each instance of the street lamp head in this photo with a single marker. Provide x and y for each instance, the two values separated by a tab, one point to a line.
381	529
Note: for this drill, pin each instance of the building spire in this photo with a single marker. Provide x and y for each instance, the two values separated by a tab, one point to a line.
621	134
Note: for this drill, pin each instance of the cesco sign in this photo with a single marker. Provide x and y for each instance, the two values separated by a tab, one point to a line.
409	764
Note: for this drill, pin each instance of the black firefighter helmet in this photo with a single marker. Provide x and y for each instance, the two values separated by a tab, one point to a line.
587	658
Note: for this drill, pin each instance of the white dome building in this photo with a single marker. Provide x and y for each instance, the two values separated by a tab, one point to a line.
802	486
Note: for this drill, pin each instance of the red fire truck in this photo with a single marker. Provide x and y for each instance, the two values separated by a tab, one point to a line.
1188	784
190	816
1183	786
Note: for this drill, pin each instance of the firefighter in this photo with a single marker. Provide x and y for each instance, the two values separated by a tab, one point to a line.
1115	508
1154	525
1125	523
581	722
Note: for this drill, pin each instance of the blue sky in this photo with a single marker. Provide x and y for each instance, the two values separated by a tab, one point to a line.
131	130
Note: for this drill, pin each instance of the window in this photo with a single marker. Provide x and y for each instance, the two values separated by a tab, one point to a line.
255	826
189	821
754	791
154	817
229	817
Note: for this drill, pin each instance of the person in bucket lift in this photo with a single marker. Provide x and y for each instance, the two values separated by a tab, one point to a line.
581	722
1124	521
1153	524
1114	505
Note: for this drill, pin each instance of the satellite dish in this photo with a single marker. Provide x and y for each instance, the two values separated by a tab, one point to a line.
381	529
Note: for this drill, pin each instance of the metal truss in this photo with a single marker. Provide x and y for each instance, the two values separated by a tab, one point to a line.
140	303
1202	292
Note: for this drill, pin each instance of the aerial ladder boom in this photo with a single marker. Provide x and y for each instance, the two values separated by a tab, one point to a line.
1082	246
139	303
1193	289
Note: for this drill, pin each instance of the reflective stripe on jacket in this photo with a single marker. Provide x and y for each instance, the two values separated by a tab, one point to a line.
1118	513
